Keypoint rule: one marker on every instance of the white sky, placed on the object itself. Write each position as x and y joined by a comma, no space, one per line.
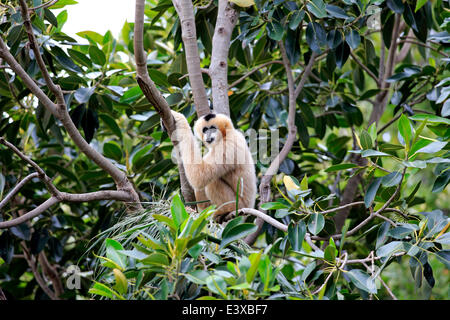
98,15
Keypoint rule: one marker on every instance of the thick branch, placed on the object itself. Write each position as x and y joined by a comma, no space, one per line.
185,11
152,93
68,197
226,20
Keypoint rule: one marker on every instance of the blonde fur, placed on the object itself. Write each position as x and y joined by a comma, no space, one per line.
228,162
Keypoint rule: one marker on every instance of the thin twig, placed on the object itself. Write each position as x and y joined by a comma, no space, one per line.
363,66
44,5
16,189
249,73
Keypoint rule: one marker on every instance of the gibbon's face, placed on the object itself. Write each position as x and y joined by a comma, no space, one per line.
212,128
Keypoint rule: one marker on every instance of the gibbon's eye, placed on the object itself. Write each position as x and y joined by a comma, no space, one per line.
205,129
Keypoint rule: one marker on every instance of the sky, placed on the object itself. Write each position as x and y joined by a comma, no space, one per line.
98,15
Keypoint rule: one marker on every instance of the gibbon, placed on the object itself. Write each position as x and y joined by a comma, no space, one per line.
227,166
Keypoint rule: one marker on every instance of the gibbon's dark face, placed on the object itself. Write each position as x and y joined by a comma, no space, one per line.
209,134
212,129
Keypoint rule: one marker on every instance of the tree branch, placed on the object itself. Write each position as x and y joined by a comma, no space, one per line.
226,19
31,260
59,110
16,189
363,66
264,186
152,93
249,73
185,11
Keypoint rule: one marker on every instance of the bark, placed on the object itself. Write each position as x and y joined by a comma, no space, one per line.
152,93
226,20
185,11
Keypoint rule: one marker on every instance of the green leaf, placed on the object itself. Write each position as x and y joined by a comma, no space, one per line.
353,39
304,183
430,118
373,153
237,232
62,3
382,234
217,285
273,206
396,6
104,291
342,166
265,271
371,192
112,150
178,211
197,276
159,78
336,12
156,259
415,164
390,248
50,17
174,98
330,254
121,281
316,223
400,232
131,95
445,112
97,55
366,140
334,38
112,252
315,36
441,181
80,57
2,185
404,126
296,234
432,147
84,94
420,4
362,280
112,125
317,8
391,179
254,258
275,30
296,18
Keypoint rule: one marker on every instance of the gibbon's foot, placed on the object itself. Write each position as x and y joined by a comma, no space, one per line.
225,217
190,210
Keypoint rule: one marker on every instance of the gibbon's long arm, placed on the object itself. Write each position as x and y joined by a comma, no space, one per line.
200,171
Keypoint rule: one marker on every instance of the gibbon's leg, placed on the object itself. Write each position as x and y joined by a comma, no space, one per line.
222,196
200,195
199,171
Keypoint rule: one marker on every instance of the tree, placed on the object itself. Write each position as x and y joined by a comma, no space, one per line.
327,75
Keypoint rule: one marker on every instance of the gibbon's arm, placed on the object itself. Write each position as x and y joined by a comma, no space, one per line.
199,171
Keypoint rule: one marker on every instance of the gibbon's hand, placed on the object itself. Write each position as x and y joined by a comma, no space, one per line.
182,128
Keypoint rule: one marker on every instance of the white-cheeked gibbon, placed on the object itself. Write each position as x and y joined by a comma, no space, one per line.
227,167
